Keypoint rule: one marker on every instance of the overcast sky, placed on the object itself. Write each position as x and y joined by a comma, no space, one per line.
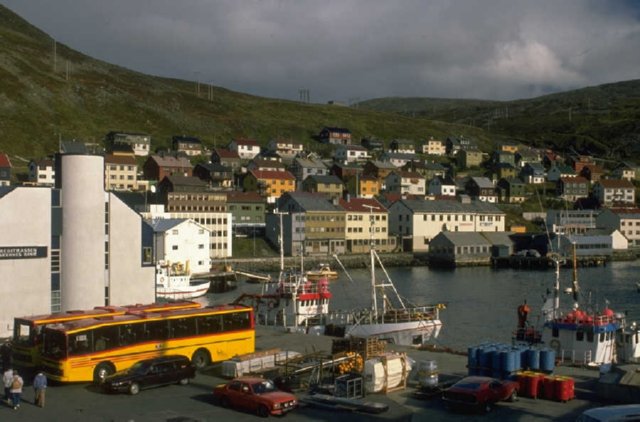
349,50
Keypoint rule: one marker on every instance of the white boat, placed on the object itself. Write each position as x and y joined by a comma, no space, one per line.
173,285
582,334
293,301
390,317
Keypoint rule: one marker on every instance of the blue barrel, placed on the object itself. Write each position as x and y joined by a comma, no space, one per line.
517,358
533,359
524,357
485,361
547,360
509,360
472,357
496,360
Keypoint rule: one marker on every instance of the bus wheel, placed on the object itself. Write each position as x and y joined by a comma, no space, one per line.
201,359
102,371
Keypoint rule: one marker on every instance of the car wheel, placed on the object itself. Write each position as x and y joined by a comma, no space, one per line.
262,411
514,396
134,388
102,371
224,401
487,407
184,381
201,359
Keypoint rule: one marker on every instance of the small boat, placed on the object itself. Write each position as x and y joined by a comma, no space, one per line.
390,317
323,271
174,282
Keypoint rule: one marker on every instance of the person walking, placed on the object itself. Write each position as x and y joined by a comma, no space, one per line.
7,379
16,389
40,387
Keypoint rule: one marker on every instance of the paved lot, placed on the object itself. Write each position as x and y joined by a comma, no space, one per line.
193,402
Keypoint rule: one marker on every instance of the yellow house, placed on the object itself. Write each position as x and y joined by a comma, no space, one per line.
367,186
270,184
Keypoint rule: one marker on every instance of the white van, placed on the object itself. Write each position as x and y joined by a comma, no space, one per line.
620,413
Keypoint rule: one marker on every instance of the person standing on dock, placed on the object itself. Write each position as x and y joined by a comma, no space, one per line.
523,313
40,387
16,389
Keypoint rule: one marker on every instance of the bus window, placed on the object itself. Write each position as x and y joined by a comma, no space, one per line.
182,327
79,343
156,330
22,334
131,334
236,321
210,324
55,347
105,338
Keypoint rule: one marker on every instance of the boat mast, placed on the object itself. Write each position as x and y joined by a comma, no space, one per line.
574,286
374,299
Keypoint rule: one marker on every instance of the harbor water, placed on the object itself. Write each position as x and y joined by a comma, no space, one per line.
482,301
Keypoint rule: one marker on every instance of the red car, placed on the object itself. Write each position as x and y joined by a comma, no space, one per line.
256,395
480,393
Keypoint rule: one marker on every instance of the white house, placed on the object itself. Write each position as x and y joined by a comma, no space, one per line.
42,172
416,222
285,148
183,243
351,153
442,186
247,149
219,225
626,220
434,147
405,182
614,191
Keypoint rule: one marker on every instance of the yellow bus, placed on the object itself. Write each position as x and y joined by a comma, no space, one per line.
91,349
27,331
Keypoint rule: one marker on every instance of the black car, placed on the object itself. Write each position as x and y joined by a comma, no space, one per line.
151,373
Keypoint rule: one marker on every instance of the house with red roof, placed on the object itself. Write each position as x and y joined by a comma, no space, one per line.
366,221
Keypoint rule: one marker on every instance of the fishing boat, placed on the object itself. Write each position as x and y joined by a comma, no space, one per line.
581,333
390,317
174,283
322,271
292,301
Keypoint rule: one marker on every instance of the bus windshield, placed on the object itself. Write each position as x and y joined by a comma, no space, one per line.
56,345
23,334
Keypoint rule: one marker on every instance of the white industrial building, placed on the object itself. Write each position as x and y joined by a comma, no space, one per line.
182,242
73,246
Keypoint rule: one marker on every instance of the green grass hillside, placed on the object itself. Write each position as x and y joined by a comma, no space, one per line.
84,98
603,120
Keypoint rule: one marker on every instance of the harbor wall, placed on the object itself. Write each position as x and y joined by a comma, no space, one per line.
272,264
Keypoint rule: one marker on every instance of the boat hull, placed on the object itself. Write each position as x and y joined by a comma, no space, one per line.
185,291
410,333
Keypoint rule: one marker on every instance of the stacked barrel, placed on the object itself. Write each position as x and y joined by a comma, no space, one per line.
530,366
504,361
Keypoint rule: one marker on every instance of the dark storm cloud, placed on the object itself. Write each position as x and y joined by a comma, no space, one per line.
348,49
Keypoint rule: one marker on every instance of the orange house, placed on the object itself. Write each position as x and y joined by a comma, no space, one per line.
268,183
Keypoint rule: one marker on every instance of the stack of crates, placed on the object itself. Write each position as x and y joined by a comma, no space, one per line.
558,388
530,384
365,347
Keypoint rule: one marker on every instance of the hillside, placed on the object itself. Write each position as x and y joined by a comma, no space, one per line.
603,120
79,97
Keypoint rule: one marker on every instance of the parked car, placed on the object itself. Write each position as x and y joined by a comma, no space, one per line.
254,394
622,412
479,393
151,373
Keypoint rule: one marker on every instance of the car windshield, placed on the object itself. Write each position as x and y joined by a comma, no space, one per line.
262,387
138,368
468,385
